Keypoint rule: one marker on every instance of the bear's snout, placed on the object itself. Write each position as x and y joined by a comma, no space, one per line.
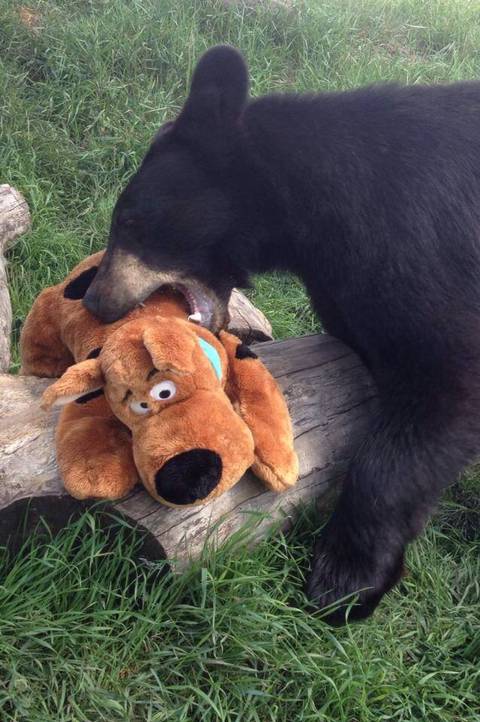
189,476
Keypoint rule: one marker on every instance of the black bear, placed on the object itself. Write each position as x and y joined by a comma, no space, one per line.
372,197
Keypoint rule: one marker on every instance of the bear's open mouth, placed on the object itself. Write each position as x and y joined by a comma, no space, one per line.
200,305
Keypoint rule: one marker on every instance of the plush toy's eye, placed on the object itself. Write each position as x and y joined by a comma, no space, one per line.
139,407
163,391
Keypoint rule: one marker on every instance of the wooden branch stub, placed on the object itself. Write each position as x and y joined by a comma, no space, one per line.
331,399
14,220
14,216
246,320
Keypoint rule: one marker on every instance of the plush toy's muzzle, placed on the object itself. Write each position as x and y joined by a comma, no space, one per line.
193,451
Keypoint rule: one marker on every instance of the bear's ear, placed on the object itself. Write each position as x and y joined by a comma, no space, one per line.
84,379
218,92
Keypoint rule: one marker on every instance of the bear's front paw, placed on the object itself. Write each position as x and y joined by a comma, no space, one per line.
349,579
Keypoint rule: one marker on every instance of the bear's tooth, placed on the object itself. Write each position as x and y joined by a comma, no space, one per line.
195,317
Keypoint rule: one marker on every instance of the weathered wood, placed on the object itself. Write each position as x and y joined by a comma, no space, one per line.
14,220
330,397
246,321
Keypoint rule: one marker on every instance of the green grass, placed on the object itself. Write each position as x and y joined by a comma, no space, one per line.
87,633
84,90
82,635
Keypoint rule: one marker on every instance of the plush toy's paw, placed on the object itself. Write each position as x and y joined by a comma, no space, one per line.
348,579
281,475
105,477
95,459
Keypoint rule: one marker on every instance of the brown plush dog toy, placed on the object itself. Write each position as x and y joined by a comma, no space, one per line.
154,396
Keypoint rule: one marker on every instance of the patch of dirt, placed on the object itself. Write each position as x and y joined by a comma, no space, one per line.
31,19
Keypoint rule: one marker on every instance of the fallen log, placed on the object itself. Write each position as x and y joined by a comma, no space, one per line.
331,399
14,220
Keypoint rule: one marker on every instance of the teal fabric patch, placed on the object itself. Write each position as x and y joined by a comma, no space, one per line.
212,355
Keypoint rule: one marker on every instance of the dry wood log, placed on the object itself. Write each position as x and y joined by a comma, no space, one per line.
14,220
330,397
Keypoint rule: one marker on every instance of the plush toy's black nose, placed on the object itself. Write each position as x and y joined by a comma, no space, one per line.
189,476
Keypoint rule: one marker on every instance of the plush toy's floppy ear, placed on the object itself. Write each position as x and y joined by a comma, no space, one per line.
80,381
78,286
257,399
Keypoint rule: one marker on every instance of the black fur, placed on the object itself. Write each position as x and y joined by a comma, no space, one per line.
88,397
95,352
244,351
77,288
189,476
372,197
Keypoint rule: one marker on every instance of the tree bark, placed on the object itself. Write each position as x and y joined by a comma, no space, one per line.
14,220
331,399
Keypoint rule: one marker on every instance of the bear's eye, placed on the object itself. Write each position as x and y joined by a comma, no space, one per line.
139,407
163,391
